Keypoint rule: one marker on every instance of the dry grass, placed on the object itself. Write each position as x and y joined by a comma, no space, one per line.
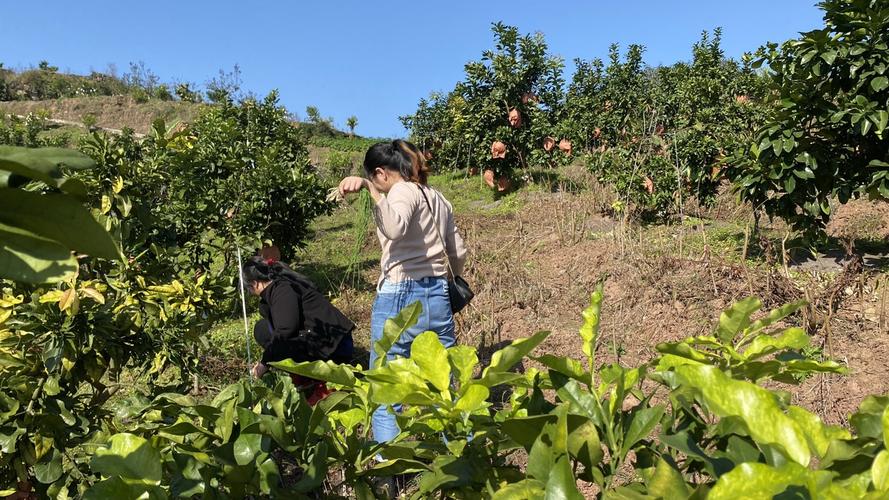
114,112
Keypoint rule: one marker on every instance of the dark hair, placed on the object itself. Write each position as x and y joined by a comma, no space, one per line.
397,156
260,269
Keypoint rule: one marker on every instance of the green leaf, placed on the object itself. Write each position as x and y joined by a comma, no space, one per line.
27,258
473,398
504,359
667,482
791,338
564,365
447,472
879,83
58,218
49,469
789,184
526,489
757,407
642,422
119,488
736,318
327,371
561,484
43,164
463,360
583,441
130,457
526,430
8,406
885,420
432,358
868,420
866,125
246,448
880,471
881,118
589,331
752,480
394,328
582,401
817,433
776,315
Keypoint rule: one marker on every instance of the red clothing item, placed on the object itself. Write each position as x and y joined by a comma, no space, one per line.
315,390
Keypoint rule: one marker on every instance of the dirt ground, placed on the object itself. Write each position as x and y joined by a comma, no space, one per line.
535,270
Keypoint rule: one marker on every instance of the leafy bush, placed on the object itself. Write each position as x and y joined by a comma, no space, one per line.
511,96
714,432
179,202
826,137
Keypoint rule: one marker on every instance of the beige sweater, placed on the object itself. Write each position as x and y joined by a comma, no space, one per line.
407,233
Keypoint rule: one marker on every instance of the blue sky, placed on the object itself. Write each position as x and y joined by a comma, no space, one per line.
370,59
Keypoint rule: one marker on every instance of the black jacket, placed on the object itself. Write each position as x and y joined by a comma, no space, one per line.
304,325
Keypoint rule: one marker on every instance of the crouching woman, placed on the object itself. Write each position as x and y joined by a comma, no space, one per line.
298,322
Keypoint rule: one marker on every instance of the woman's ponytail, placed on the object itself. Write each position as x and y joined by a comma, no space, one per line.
419,167
399,156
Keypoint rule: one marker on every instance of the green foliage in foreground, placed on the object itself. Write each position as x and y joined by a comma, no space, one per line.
695,420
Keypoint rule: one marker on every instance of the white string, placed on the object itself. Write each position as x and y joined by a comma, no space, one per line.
244,311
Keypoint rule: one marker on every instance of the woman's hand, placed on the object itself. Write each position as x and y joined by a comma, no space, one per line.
259,370
352,184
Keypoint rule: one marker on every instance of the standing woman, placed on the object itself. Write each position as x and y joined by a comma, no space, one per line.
411,228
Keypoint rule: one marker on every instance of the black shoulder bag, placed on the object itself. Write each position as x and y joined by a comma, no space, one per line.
459,292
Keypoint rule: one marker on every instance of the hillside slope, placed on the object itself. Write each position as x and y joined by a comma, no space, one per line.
114,112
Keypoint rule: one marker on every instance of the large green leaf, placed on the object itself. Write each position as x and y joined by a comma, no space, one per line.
474,397
583,441
394,328
49,469
43,164
432,358
817,433
667,482
119,488
130,457
247,447
754,481
28,258
327,371
868,420
791,338
736,318
880,471
504,359
642,422
582,401
565,365
58,218
447,472
526,489
549,459
463,360
757,407
526,430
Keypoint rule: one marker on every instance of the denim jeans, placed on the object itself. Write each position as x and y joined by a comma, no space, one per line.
391,298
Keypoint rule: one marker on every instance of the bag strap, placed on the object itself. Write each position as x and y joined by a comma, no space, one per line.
444,247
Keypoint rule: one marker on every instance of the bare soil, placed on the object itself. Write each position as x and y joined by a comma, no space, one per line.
535,270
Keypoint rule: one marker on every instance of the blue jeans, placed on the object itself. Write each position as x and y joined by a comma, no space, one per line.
391,298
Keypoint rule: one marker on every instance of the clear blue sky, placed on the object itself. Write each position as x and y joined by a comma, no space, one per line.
370,59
